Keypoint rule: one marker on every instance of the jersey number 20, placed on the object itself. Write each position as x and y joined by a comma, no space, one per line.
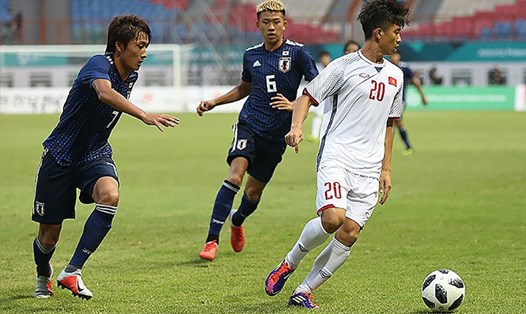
334,190
377,91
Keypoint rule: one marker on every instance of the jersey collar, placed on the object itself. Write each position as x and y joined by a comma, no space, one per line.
377,65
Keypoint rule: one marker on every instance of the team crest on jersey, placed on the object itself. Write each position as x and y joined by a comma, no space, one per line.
39,208
241,144
284,64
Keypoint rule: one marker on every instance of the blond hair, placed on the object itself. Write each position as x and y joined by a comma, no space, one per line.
271,5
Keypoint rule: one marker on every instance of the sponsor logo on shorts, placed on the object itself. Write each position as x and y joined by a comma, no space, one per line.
39,209
241,144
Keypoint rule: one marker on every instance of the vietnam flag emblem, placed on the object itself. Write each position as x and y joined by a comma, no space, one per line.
392,81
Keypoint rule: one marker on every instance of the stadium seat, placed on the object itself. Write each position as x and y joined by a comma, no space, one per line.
462,27
520,29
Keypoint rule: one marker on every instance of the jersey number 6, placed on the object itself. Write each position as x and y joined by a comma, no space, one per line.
271,84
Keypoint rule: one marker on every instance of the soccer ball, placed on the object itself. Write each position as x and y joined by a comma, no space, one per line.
443,290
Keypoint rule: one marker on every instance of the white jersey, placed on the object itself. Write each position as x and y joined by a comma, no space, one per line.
362,96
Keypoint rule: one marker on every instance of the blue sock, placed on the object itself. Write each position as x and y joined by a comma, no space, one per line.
95,229
405,138
42,257
245,209
222,207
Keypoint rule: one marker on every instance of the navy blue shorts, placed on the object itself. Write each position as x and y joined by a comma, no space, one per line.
56,187
263,155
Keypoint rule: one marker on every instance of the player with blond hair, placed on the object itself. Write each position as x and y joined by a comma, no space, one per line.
354,159
272,72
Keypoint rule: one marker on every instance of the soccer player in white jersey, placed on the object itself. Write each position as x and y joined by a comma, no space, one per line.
354,159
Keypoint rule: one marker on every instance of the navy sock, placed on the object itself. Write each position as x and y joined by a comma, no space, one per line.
405,137
222,207
245,209
95,229
42,257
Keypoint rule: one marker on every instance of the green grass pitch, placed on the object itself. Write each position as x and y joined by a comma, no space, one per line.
459,202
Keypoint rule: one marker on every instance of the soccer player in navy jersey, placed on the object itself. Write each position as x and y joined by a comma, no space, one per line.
409,78
77,154
272,72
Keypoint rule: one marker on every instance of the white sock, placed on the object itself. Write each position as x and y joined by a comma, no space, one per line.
312,236
329,260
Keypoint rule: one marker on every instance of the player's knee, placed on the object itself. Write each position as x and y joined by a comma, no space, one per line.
253,195
331,221
234,179
109,197
48,239
347,238
349,233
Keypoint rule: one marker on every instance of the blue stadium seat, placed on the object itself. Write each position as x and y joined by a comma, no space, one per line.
502,30
520,29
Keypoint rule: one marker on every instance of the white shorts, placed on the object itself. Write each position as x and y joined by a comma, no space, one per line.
339,188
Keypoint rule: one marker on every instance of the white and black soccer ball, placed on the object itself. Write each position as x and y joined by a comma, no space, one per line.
443,290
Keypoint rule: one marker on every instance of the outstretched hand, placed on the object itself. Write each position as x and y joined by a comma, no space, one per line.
205,106
280,102
160,120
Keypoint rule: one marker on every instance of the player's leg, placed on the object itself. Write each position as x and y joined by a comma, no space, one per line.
43,249
315,126
54,201
331,200
399,124
362,199
249,203
268,154
332,257
98,184
240,155
223,206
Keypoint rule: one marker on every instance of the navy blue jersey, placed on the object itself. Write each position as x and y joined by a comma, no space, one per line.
408,76
86,123
270,73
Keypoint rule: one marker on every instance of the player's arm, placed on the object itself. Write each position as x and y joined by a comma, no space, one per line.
239,92
385,175
299,114
112,98
418,85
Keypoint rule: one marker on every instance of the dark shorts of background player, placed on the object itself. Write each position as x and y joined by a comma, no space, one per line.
56,187
263,155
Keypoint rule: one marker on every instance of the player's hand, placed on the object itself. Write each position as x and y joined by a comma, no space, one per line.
294,138
424,100
204,106
385,186
280,102
160,120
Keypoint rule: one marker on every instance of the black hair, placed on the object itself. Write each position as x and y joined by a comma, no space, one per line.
125,28
351,42
324,53
381,14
